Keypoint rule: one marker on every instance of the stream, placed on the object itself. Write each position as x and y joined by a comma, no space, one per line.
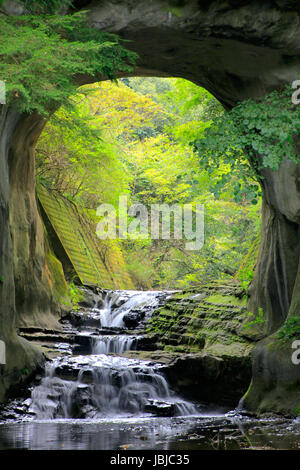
92,396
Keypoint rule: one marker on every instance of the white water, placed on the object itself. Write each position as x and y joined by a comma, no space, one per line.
104,386
116,344
99,384
114,317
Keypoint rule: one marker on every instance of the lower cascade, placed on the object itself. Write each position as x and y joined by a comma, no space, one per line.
103,383
98,385
116,344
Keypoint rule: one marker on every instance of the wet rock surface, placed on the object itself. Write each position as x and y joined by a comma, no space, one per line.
160,408
143,382
210,320
196,337
133,318
100,385
87,376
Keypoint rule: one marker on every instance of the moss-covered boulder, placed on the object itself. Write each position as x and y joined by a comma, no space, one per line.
209,318
200,333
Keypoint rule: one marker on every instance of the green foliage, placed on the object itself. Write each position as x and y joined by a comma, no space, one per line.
45,6
76,295
258,320
133,138
166,170
297,410
245,272
262,130
73,159
142,274
245,277
290,329
42,55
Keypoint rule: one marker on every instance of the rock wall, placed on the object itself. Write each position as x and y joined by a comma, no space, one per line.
94,262
209,319
21,357
33,290
200,334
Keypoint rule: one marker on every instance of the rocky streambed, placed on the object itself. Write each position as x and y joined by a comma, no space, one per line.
147,369
197,338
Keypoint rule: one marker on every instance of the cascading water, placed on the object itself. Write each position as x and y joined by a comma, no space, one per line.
116,344
103,383
119,309
136,302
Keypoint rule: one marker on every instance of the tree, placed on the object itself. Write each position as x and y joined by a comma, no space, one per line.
256,134
43,56
127,137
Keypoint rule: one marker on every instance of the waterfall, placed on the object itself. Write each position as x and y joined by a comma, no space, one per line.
104,383
116,344
138,302
99,386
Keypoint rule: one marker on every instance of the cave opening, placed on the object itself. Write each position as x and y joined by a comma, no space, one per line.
134,139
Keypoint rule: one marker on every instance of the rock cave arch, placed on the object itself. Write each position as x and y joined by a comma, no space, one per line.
234,49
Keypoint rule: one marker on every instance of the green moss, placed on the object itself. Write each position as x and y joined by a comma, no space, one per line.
248,391
272,346
182,295
185,349
76,295
54,271
290,330
96,262
198,325
176,11
258,320
200,339
226,300
245,272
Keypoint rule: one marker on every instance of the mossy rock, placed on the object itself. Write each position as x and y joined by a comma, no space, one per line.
54,271
199,319
226,300
96,262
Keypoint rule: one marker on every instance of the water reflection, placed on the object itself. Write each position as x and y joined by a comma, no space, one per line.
224,432
91,435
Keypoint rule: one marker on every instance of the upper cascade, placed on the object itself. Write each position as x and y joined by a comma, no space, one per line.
127,309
